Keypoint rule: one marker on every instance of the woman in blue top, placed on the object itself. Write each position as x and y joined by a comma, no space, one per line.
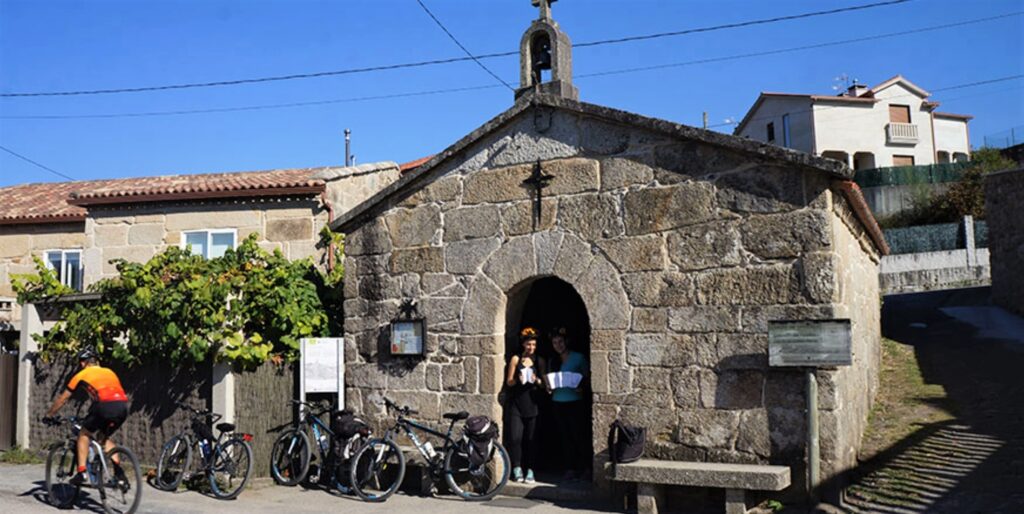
569,408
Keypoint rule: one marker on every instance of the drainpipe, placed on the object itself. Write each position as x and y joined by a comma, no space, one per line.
330,218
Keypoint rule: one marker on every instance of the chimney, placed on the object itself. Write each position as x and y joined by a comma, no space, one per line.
855,90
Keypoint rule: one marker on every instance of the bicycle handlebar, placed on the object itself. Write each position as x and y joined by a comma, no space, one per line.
403,411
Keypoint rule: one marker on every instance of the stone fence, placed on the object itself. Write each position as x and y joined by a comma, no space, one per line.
1002,192
256,401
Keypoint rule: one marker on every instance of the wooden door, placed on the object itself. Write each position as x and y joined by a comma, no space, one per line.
8,397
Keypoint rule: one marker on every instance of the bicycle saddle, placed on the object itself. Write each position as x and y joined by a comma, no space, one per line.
456,416
225,427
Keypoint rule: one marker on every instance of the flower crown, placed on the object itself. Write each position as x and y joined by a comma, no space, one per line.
527,333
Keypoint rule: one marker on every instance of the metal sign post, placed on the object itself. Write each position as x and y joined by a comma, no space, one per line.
810,345
322,367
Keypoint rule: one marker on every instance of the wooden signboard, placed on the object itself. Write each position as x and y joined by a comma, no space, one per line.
818,343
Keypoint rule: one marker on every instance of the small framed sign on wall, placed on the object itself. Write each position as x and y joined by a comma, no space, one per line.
407,337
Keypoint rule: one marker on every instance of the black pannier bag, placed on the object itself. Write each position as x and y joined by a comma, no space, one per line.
625,443
346,427
481,433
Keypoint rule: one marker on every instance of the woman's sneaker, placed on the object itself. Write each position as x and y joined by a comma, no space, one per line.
529,477
517,474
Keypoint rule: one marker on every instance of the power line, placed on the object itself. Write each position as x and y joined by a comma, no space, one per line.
464,49
433,62
26,159
806,47
631,39
481,87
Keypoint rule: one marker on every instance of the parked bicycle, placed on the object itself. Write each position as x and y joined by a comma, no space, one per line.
225,460
475,466
114,474
291,457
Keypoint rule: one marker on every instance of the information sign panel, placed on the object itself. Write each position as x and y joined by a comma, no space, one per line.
322,365
817,343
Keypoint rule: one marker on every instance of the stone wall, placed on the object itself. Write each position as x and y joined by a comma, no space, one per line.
263,408
846,394
153,390
18,243
1006,237
681,251
137,233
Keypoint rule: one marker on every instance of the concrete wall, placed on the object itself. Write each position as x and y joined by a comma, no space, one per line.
771,111
681,252
951,136
1003,191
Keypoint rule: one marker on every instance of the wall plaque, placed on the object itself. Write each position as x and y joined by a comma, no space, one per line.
407,337
817,343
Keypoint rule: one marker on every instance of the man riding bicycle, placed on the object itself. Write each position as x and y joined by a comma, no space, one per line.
106,414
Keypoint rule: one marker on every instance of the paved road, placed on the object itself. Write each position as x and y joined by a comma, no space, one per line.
22,491
975,462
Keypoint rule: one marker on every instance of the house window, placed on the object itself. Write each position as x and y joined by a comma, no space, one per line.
68,265
771,132
899,114
785,131
902,160
209,243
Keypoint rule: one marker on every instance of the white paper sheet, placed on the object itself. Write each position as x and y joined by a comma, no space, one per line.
564,379
526,376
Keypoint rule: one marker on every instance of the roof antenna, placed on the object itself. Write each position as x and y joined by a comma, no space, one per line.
348,147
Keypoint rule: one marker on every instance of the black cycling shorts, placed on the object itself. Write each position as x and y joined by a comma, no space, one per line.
105,417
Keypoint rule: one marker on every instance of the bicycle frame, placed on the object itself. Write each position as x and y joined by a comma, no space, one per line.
408,426
95,448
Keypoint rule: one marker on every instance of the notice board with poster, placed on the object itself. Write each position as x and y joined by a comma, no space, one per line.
322,367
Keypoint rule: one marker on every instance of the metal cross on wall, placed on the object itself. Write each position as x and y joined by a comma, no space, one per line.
545,8
538,181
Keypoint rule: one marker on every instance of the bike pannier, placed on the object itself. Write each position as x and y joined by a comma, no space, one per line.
625,443
345,424
481,433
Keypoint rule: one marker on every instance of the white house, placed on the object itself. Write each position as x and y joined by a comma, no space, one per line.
891,124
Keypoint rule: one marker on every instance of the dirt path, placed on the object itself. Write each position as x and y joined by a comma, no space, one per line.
972,458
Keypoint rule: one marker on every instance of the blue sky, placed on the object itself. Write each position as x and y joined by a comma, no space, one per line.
84,45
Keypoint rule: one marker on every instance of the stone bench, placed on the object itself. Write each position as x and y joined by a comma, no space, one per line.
650,475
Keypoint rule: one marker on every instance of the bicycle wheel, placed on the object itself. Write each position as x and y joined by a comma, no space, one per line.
232,465
376,470
175,461
289,460
120,484
60,467
476,483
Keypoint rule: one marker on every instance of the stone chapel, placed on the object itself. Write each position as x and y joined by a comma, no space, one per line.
665,249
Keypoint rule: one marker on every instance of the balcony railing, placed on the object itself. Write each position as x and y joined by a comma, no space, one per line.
901,133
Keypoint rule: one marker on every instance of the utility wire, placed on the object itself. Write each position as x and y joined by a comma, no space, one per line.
805,47
481,87
433,62
464,49
26,159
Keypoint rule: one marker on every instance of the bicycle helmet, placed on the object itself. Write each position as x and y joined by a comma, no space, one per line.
86,354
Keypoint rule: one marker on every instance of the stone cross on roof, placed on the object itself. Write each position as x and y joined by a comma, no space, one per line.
545,8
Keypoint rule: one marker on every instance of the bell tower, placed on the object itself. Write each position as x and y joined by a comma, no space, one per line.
545,57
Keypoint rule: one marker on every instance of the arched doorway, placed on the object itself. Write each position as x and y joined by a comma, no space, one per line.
546,303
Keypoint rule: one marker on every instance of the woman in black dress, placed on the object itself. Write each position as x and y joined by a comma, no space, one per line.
523,377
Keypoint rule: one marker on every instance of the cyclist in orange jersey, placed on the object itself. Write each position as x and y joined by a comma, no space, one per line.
106,414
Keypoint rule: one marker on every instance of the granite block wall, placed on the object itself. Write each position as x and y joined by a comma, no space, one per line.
1006,237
